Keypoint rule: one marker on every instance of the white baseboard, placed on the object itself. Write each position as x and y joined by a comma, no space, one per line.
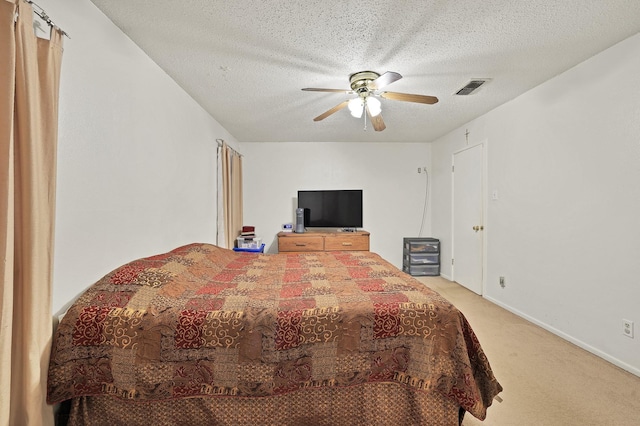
615,361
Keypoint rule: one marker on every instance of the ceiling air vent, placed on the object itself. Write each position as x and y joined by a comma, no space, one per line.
471,87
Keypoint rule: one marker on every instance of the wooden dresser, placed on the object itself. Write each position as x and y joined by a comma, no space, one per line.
291,242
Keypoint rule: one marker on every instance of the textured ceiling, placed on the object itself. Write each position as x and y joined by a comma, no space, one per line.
246,61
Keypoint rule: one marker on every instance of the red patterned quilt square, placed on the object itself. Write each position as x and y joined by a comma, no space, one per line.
371,285
289,326
128,273
227,275
189,329
360,272
387,320
294,275
89,327
293,290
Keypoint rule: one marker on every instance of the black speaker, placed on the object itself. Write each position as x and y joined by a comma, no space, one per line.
299,220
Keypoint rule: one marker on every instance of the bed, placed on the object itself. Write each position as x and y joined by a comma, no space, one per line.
203,335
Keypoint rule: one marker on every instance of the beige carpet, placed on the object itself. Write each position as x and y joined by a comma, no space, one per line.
547,380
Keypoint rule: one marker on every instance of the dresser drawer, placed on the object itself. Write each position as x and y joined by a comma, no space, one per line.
300,243
422,258
425,270
421,245
344,242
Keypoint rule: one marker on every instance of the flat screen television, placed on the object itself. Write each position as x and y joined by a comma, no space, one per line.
338,208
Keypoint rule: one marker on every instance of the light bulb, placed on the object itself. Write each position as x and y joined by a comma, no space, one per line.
374,106
356,106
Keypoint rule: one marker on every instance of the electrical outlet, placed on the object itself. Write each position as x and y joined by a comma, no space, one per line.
627,328
502,283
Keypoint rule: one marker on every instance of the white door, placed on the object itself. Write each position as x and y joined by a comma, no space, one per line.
468,225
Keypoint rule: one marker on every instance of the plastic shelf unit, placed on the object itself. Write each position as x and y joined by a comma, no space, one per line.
421,256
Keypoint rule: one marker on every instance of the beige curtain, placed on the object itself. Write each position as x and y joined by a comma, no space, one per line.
229,196
29,82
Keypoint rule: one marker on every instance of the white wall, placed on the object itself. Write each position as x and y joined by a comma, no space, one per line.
565,159
136,176
136,155
393,190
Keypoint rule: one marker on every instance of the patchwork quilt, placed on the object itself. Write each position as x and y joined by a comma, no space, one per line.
204,321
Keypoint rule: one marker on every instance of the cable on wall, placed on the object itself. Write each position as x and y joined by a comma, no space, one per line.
426,198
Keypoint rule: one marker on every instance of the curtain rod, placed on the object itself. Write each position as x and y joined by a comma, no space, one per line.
43,15
221,141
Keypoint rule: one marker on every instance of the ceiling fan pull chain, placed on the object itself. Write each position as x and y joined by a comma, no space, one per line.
365,118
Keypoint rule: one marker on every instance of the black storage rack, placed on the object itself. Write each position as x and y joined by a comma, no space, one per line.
421,256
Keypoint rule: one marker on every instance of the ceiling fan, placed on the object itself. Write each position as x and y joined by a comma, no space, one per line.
367,85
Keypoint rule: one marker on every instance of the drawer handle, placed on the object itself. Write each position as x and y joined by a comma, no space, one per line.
300,244
347,244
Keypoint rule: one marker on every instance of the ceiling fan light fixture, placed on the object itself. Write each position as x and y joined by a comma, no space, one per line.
356,106
367,85
374,106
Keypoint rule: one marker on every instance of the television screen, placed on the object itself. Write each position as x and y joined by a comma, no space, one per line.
331,208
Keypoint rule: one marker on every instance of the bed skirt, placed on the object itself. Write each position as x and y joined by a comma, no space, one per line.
381,404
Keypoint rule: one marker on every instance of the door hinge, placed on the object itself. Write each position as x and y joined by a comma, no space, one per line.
453,168
452,261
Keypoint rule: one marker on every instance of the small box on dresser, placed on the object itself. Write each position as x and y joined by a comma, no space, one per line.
421,256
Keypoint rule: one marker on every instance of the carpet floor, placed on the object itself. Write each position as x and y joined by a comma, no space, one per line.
547,381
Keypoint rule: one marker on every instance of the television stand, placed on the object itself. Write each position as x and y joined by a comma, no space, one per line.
314,241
